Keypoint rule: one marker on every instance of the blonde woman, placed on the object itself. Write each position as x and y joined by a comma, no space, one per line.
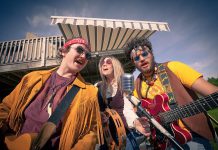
111,95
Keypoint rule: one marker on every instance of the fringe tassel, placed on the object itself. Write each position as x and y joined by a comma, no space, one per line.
82,115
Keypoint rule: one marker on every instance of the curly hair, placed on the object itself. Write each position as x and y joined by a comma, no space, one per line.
59,56
142,41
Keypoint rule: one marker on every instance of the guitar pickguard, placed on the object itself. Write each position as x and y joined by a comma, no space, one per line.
158,106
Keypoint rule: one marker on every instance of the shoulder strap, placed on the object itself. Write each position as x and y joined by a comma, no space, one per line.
138,84
62,107
165,82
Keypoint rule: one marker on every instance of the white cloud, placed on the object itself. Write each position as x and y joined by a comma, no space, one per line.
206,67
38,20
42,14
200,65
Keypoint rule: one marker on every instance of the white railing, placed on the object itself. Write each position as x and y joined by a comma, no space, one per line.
27,51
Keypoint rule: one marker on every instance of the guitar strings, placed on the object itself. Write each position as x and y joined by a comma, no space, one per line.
185,111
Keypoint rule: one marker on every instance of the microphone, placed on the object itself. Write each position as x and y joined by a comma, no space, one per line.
127,85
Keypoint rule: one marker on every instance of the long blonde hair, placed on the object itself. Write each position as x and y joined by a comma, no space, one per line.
118,71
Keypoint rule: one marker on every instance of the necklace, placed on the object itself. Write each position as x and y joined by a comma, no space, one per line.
54,88
153,78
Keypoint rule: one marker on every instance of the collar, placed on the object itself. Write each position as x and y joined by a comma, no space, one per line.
79,81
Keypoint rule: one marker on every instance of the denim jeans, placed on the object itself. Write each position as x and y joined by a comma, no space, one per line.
197,143
130,142
135,141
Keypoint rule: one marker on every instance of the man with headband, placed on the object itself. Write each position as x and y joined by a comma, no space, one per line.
178,83
29,106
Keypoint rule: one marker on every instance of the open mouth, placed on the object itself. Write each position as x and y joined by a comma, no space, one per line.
105,69
144,64
79,61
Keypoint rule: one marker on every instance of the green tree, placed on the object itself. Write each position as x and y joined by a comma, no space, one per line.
213,80
214,113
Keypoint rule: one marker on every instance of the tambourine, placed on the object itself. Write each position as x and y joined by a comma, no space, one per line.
114,130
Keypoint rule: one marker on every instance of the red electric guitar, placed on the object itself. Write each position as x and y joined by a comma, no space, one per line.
161,111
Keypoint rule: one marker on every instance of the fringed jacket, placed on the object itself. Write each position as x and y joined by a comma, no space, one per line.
81,128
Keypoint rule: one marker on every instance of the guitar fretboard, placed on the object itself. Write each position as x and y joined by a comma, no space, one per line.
201,105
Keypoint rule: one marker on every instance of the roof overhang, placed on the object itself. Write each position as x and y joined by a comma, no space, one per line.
106,34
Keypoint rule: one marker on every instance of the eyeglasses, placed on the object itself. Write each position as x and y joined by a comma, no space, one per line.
107,61
143,53
81,50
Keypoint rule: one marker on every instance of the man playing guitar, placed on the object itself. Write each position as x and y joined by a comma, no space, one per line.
179,83
28,108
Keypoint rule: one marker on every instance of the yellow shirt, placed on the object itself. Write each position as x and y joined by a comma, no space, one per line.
185,74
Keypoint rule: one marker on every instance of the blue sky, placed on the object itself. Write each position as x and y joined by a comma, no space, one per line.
193,23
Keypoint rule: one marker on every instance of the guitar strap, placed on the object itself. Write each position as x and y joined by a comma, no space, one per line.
62,107
49,127
162,74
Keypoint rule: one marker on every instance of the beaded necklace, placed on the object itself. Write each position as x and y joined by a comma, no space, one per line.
153,78
150,82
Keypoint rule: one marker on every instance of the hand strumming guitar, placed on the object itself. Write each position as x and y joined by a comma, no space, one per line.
142,125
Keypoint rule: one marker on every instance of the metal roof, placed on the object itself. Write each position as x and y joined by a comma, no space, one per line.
106,34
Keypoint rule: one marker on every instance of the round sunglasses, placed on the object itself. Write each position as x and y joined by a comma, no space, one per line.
106,61
143,54
80,50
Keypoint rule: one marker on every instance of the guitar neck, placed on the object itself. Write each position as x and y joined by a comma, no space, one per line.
198,106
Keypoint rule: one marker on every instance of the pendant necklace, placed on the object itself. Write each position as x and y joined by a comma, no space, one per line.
52,92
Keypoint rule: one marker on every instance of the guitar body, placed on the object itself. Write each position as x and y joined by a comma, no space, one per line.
22,142
159,105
